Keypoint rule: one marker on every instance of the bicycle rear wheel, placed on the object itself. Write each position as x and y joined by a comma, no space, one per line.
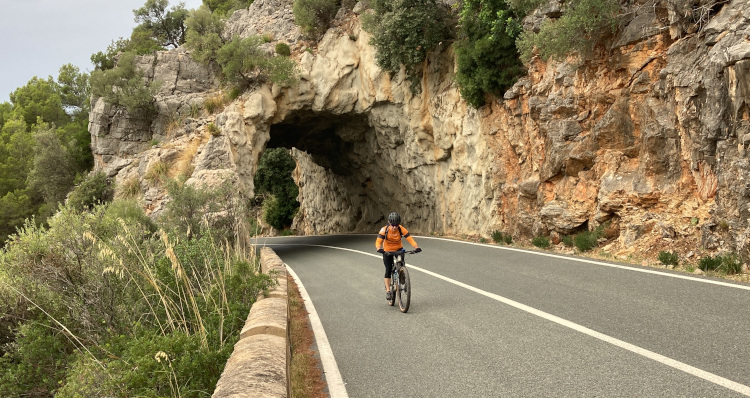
404,289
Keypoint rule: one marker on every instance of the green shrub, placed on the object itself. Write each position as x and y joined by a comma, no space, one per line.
585,241
36,361
524,7
729,264
583,25
274,178
710,263
500,237
668,258
567,240
214,130
124,86
243,63
283,49
194,212
279,213
203,36
95,189
145,314
315,16
486,53
226,7
404,32
233,93
497,236
541,242
732,264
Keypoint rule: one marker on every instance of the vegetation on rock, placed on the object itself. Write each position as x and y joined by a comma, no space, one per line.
273,181
404,32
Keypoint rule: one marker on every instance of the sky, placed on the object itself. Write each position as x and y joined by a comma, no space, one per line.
37,37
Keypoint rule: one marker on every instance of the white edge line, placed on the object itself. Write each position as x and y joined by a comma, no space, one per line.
710,377
577,259
336,385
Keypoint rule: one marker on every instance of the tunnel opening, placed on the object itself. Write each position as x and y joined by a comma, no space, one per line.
341,197
329,139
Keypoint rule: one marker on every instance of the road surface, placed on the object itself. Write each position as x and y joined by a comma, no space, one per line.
496,321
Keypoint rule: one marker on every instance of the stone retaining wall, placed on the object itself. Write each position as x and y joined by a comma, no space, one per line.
259,365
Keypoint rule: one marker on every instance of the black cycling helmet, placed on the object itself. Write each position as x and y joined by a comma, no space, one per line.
394,218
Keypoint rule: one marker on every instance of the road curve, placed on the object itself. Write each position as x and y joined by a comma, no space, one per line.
489,321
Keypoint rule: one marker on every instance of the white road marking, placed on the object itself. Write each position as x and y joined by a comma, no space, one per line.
713,378
336,385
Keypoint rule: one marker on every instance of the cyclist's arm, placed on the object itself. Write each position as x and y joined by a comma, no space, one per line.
379,240
409,239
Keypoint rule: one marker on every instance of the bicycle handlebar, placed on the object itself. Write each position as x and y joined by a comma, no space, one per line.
400,252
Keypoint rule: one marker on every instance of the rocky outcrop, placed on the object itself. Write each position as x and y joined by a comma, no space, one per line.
650,137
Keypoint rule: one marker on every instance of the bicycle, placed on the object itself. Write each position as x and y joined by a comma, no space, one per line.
400,282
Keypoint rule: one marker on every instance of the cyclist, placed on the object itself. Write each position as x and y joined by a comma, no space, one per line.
389,240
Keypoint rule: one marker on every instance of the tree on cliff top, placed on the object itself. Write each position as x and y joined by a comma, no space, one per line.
226,7
486,53
167,27
404,32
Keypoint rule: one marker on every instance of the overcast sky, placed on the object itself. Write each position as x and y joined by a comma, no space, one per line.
37,37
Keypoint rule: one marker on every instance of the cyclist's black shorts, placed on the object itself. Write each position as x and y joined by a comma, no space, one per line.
388,262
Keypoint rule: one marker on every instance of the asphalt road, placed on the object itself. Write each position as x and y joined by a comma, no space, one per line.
493,321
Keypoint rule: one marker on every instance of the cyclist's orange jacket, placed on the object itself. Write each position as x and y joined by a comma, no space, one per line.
389,238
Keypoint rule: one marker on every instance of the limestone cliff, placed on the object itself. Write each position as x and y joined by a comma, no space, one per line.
652,137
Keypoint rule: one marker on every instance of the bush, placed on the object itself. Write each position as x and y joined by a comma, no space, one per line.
668,258
95,189
583,25
124,86
214,130
404,32
274,177
567,240
203,35
283,49
36,361
497,236
147,314
315,16
486,53
500,237
710,263
586,241
243,63
194,212
541,242
729,264
226,7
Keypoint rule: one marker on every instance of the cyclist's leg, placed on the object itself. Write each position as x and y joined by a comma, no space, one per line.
388,262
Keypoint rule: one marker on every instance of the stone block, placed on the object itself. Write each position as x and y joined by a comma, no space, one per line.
257,368
267,316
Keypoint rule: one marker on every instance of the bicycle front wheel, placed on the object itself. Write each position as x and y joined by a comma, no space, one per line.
394,288
404,289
